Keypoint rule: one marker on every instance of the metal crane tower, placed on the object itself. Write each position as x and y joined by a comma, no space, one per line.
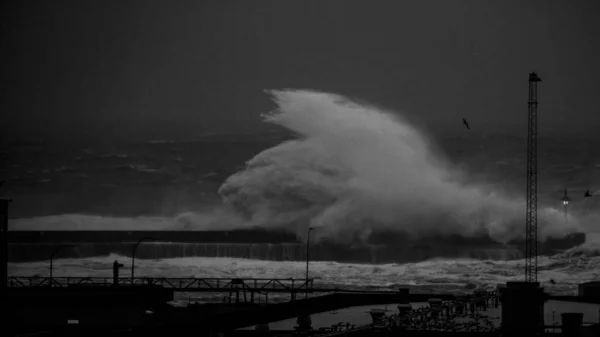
531,228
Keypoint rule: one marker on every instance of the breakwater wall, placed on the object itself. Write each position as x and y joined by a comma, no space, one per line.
96,236
25,246
264,251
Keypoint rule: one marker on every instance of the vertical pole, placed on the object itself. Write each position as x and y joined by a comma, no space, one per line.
51,258
4,253
133,254
307,259
566,208
56,250
115,273
116,266
133,262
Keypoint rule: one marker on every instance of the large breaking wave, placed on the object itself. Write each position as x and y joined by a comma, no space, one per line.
354,169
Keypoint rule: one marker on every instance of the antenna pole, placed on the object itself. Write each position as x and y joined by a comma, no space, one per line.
531,226
566,208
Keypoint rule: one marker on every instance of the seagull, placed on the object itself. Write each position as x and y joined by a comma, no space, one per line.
466,124
587,194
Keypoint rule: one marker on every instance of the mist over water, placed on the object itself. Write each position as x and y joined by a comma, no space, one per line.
354,169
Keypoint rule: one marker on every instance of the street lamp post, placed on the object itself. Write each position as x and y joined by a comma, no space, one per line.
307,257
56,250
565,202
133,254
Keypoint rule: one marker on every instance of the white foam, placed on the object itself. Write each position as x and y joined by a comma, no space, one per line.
565,272
355,168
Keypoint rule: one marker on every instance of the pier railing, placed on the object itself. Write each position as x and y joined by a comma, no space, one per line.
178,284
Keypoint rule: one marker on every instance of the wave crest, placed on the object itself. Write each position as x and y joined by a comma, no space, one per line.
354,169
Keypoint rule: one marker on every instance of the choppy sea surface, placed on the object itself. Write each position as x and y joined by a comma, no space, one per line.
559,274
327,160
162,179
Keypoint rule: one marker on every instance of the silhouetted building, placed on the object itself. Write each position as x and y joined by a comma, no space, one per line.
590,290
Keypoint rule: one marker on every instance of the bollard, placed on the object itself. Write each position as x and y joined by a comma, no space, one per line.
571,324
303,323
522,308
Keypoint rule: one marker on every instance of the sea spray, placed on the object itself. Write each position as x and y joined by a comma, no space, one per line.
354,169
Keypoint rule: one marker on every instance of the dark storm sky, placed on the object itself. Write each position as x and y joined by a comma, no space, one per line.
156,69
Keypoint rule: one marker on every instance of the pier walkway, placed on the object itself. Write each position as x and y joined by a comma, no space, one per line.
238,289
235,287
201,285
276,285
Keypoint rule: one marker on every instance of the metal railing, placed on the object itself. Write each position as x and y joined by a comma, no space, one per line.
178,284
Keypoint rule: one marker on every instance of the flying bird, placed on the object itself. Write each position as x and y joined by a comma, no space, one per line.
466,124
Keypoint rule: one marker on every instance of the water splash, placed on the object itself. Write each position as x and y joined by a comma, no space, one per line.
354,169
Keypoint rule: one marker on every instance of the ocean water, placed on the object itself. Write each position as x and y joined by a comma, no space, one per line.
559,274
349,169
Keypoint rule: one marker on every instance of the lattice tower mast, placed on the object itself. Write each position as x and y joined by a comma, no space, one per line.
531,225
